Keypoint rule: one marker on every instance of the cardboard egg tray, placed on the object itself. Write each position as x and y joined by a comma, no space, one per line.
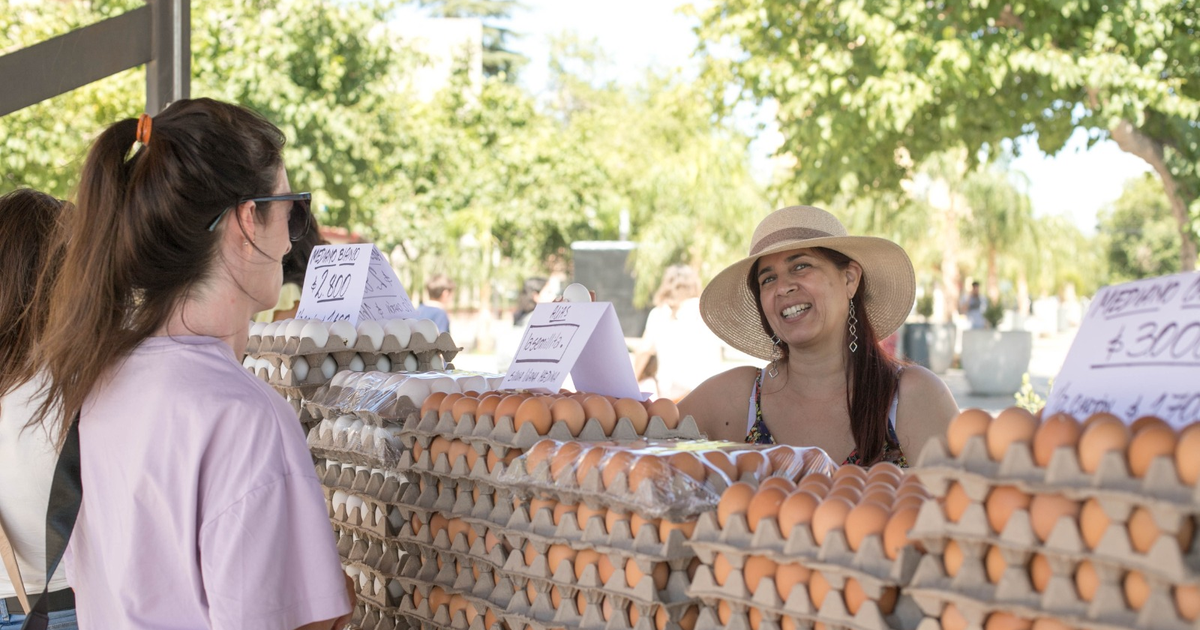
381,557
833,613
498,433
1118,491
369,617
869,565
374,484
362,448
443,468
372,524
1065,545
283,348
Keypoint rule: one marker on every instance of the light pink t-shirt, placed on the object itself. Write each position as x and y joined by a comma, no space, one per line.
201,507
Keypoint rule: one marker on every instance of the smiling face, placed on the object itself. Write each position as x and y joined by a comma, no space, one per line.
805,296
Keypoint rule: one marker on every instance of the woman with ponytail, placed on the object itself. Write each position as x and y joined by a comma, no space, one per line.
201,507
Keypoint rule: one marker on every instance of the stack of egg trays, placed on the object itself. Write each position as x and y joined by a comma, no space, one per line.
507,576
486,432
833,559
282,352
1118,493
362,448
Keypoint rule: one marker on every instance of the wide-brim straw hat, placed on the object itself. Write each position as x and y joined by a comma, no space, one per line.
731,310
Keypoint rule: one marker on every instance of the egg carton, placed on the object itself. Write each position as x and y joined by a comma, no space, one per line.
362,448
975,597
384,487
645,591
869,564
342,353
1111,483
833,613
370,617
379,557
521,613
499,433
1164,559
372,523
464,468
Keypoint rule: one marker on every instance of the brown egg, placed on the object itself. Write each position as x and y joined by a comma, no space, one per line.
854,595
850,471
797,508
464,406
1086,581
788,576
555,597
649,469
613,517
849,481
994,564
830,515
438,446
585,514
507,408
757,568
721,569
735,500
618,462
558,554
1137,589
849,493
751,463
1151,442
666,409
688,620
488,404
591,458
447,404
533,411
458,450
883,497
786,623
781,459
568,412
786,485
563,509
1045,510
718,460
1001,502
599,408
1146,422
607,609
955,502
1187,454
724,612
432,403
543,451
818,484
531,554
866,519
1013,425
952,619
688,464
1100,416
665,528
636,521
438,598
966,425
910,501
755,617
659,573
895,533
886,471
1058,431
1093,522
952,558
818,588
632,409
580,603
606,567
765,505
489,618
1187,601
583,559
1006,621
1046,623
1099,436
564,460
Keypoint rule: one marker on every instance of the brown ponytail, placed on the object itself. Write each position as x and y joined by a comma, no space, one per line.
139,240
870,373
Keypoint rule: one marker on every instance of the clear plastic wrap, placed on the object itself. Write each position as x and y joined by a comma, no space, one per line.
674,480
388,398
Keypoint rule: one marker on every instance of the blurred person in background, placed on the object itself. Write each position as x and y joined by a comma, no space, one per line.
440,289
531,294
28,226
687,352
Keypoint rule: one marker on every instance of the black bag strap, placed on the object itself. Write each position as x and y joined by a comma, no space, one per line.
66,496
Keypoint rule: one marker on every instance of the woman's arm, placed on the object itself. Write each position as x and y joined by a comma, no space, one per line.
926,409
721,404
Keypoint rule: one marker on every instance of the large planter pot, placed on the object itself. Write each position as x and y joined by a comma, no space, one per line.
930,345
994,361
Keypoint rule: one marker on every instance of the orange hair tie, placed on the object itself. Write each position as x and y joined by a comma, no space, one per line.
143,130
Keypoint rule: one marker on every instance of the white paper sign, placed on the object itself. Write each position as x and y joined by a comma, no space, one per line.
1137,354
352,283
582,339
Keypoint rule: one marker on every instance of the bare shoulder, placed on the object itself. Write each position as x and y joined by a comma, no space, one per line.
721,404
925,410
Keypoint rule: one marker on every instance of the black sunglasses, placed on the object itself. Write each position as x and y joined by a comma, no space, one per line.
297,216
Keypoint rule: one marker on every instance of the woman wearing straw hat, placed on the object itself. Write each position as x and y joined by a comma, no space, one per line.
814,302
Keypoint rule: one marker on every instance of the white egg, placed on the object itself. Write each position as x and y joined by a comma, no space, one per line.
444,384
256,328
363,579
262,364
576,292
382,436
269,329
339,498
249,362
295,327
384,364
283,371
325,429
372,331
378,586
329,367
417,390
345,330
353,503
281,328
338,379
394,381
353,572
400,329
316,331
356,364
436,363
473,383
410,363
395,589
343,423
301,370
426,328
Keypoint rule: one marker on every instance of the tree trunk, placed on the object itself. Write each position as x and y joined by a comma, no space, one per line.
1133,141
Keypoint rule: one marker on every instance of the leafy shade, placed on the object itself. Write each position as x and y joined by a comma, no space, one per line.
1138,235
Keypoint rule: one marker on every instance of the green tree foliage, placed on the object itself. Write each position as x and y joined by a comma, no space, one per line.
499,60
1000,221
1137,232
867,88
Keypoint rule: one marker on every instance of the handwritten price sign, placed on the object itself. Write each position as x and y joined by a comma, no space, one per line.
352,283
1137,353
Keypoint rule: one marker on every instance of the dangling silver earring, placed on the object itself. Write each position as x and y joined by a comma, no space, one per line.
853,322
776,354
